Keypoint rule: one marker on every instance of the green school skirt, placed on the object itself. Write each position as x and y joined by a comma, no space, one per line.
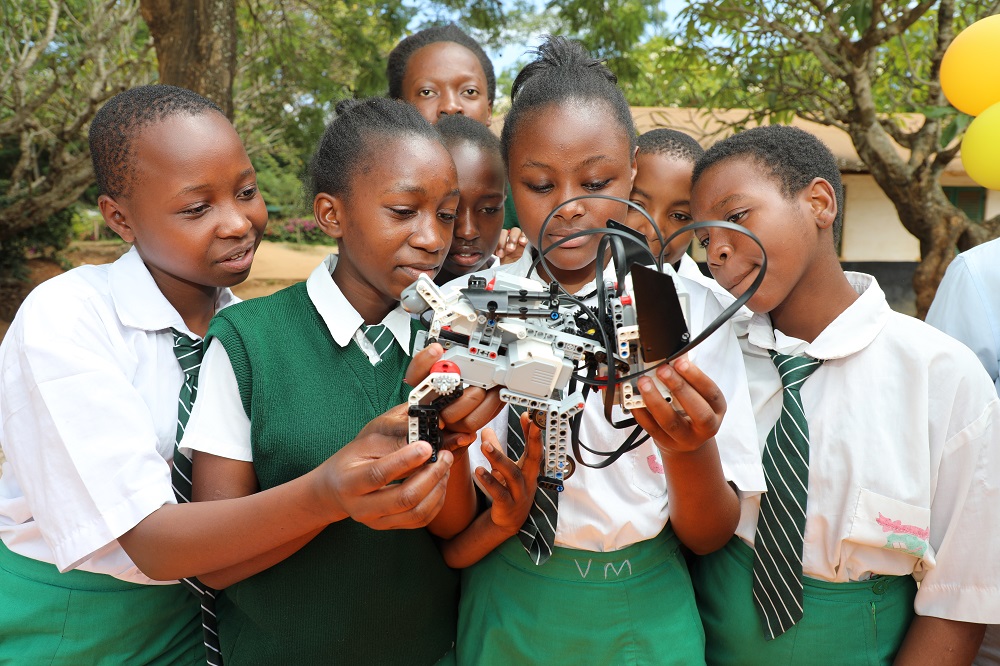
633,606
85,618
843,623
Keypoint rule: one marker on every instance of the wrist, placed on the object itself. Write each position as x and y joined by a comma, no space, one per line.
324,498
688,454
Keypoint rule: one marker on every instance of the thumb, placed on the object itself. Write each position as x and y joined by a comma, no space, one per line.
375,473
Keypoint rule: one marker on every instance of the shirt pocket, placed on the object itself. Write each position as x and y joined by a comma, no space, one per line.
884,522
647,471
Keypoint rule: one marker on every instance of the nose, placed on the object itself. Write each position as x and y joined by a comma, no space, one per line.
236,223
465,227
449,105
720,247
573,209
431,235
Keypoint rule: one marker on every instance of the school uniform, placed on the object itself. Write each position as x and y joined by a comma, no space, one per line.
616,590
286,382
967,307
88,414
903,425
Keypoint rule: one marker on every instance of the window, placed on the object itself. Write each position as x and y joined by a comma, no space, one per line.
970,200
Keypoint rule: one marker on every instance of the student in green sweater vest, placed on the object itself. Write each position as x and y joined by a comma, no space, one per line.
290,378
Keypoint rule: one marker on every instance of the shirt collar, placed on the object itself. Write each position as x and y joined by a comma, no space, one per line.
339,315
853,330
140,304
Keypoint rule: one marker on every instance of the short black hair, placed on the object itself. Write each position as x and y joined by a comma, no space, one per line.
670,143
117,124
793,156
399,57
359,128
457,128
564,71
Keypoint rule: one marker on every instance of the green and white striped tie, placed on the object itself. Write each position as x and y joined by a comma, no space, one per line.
381,338
538,534
189,353
777,568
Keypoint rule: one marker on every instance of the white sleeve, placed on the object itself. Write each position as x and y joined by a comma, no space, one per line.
218,425
78,432
961,308
964,581
720,357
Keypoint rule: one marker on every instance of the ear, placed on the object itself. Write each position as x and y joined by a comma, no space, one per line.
635,166
822,202
327,210
116,217
489,118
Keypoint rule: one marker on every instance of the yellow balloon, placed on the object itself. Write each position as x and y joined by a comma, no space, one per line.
970,74
981,148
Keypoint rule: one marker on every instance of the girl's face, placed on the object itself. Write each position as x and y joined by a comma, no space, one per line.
481,183
662,187
194,212
445,78
561,151
394,224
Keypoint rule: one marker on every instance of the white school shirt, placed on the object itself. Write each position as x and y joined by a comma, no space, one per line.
604,510
219,425
88,414
904,465
967,304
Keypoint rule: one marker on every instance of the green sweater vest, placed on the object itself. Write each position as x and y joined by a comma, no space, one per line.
353,595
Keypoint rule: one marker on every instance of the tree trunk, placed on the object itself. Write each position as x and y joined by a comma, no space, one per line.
195,45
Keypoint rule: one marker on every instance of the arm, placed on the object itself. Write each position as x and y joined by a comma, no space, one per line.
179,541
511,486
704,509
218,478
933,640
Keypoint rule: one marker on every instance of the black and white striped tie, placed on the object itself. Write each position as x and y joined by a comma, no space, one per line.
777,568
189,353
538,534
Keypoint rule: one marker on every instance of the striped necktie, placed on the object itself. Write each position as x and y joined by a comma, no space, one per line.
777,568
538,534
381,338
189,353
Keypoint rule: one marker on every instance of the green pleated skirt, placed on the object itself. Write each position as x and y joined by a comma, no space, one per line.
633,606
842,623
80,618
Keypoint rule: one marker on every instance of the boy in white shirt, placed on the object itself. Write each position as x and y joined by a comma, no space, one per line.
895,459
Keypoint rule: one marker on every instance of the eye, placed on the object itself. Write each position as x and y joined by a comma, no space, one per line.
544,188
680,217
470,92
248,192
637,203
425,92
402,212
596,185
447,216
735,218
489,210
703,241
195,210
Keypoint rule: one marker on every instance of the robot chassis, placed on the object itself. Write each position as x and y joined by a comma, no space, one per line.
522,335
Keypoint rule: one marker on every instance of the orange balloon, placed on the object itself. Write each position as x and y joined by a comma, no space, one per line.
970,70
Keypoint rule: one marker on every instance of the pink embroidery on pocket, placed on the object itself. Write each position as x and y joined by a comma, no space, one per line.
655,466
898,527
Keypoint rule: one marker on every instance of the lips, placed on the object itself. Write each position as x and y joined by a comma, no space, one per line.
416,270
466,256
239,260
555,236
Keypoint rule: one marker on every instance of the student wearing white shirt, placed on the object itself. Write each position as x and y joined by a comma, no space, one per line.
901,423
967,307
616,587
93,539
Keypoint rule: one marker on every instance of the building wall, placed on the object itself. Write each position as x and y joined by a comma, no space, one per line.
872,230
